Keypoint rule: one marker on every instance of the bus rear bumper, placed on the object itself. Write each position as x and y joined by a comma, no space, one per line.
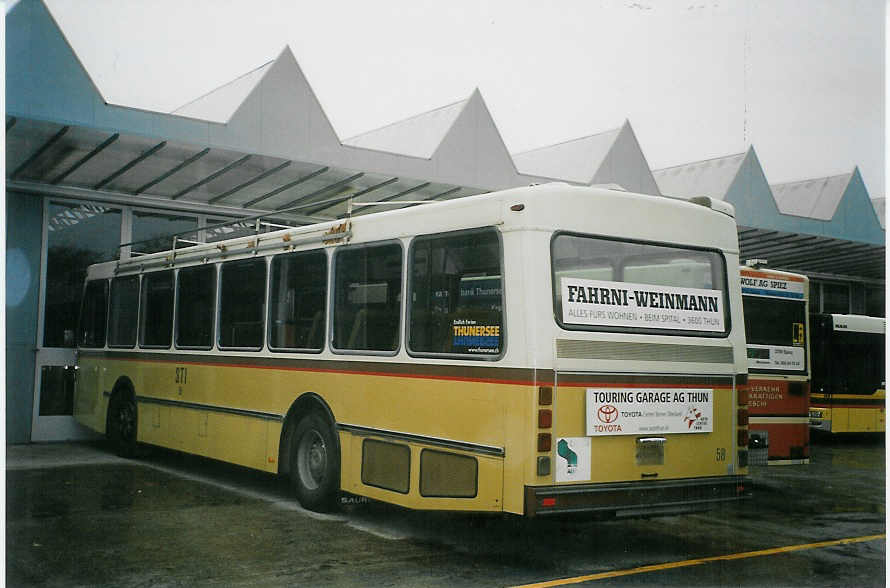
637,499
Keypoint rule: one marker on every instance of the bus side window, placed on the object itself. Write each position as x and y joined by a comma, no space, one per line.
456,299
156,320
195,306
367,298
297,301
93,315
124,312
241,304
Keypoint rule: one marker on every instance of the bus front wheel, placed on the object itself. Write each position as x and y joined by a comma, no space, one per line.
315,463
122,426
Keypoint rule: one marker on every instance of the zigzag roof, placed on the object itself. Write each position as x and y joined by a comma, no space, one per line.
417,136
711,177
575,160
264,140
220,104
816,198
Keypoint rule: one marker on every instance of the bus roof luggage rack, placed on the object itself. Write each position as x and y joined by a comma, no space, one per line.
338,231
329,233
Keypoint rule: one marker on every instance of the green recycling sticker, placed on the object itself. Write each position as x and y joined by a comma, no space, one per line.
573,459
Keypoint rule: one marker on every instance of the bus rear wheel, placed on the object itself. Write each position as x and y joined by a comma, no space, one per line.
315,463
122,426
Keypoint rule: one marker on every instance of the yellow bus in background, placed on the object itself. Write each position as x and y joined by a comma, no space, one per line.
848,374
549,349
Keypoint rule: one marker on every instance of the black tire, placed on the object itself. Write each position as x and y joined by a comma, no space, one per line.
122,423
315,463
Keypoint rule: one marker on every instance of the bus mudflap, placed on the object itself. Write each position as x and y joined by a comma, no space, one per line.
637,499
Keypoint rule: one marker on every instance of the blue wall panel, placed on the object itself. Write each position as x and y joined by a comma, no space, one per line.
24,230
750,194
44,78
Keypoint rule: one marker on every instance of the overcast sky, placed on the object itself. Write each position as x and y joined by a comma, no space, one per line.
803,81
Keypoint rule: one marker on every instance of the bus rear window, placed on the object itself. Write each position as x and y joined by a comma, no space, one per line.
776,333
456,296
609,285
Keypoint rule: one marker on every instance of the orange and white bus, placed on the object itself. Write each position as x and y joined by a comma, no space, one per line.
549,349
776,306
848,374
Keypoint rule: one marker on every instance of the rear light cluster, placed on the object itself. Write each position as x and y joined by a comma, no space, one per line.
545,421
742,420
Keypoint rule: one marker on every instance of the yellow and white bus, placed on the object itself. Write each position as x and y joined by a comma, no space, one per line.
548,349
848,374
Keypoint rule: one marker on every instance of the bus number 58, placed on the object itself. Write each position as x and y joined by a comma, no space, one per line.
721,454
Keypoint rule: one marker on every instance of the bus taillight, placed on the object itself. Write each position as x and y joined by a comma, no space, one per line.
743,417
545,418
545,395
743,437
545,421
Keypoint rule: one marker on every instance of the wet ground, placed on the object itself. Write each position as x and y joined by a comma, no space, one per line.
76,515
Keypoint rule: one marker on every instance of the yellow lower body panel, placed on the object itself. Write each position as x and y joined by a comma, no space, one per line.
237,439
849,420
415,475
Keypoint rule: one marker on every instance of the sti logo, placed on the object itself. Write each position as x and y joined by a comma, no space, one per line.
607,414
692,415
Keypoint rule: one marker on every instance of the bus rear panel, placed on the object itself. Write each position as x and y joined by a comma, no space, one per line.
648,412
777,333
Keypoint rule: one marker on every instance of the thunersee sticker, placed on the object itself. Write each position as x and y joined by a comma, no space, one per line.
623,411
625,304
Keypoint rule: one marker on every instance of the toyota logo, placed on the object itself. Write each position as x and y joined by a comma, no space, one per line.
607,413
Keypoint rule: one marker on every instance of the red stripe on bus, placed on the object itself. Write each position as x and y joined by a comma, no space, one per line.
680,384
346,372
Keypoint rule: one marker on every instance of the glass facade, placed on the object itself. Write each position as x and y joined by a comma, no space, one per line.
835,298
152,230
78,235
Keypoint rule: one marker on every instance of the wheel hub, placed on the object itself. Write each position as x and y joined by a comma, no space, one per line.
312,459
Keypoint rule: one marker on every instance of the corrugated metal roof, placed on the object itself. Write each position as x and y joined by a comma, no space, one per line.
418,136
711,177
220,104
576,160
816,198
